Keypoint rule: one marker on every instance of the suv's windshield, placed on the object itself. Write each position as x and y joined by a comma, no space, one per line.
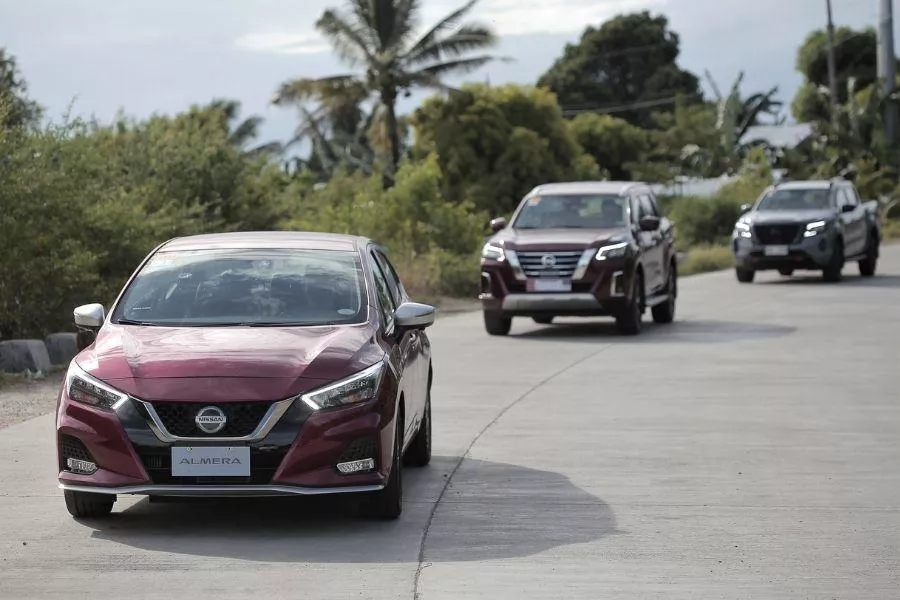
796,200
593,211
246,287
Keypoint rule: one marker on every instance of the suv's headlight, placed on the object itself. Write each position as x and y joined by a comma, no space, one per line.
815,228
82,388
357,388
492,252
612,251
742,229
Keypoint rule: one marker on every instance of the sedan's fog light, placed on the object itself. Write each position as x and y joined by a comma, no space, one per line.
83,467
356,466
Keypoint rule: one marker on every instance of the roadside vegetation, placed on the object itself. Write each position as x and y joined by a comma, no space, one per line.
81,202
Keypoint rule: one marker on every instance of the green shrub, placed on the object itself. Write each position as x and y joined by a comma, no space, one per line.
701,221
702,259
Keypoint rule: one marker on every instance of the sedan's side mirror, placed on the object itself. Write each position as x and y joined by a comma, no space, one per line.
745,208
88,319
498,224
649,223
848,208
412,315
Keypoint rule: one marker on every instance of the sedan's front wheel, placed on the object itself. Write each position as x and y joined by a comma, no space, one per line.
387,503
419,452
84,505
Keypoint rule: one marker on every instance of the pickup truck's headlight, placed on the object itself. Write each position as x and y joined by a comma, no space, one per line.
357,388
742,229
612,251
82,388
815,228
492,252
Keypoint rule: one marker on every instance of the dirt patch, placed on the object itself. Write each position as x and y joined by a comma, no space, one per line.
23,400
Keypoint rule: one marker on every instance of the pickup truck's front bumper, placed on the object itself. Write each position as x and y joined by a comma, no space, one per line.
812,253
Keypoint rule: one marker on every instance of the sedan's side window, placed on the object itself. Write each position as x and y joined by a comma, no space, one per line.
385,302
393,282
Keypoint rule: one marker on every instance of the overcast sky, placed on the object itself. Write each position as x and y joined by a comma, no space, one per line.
162,56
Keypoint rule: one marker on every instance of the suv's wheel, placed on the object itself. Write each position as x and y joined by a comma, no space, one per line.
496,323
868,264
419,452
832,272
744,275
387,503
543,320
665,312
84,505
629,321
786,272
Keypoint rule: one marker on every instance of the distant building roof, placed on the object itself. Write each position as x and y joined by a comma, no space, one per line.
779,136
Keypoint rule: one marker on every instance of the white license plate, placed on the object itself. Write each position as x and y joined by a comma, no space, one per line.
211,461
776,250
550,285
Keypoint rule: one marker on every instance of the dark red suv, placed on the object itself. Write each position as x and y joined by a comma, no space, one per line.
249,364
581,249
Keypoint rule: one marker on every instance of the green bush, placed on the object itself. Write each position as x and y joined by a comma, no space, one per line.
703,220
703,259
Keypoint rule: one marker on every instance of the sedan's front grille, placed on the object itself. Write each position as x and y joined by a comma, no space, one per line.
777,234
549,264
241,418
264,464
72,447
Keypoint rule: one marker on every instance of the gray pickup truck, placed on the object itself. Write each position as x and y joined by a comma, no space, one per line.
807,225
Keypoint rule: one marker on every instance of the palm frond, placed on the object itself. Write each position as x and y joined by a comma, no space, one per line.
460,66
446,24
245,131
348,41
301,90
465,39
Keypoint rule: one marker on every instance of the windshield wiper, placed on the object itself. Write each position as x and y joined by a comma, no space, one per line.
124,321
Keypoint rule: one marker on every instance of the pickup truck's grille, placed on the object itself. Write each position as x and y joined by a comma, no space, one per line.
776,234
549,264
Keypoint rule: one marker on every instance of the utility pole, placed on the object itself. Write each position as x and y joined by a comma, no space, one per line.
886,59
832,75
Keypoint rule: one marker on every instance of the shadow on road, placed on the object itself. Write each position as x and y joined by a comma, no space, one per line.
491,511
703,331
878,281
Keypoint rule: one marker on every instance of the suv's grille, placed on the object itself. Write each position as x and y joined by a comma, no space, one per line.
241,418
263,465
72,447
776,234
549,264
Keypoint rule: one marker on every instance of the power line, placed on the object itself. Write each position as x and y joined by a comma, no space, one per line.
570,110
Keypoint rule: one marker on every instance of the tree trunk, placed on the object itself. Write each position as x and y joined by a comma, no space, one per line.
389,99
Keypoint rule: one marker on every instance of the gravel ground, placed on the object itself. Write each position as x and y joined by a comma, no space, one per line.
23,400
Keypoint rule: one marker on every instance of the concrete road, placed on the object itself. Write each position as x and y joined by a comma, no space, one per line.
750,450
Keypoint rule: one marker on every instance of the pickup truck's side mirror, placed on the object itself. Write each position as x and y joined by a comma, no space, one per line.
745,208
649,223
88,320
847,208
498,224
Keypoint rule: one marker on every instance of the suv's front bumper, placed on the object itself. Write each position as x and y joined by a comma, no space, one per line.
813,253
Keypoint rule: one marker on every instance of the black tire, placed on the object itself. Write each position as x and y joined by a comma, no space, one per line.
868,265
387,503
496,323
630,320
665,312
543,320
419,452
84,505
832,273
744,275
786,272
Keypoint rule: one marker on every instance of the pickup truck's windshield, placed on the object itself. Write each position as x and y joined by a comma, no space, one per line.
575,211
200,288
796,200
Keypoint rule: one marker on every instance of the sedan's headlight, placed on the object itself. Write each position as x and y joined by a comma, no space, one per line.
357,388
815,228
82,388
612,251
492,252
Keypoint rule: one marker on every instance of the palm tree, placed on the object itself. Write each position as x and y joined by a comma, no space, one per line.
377,38
241,133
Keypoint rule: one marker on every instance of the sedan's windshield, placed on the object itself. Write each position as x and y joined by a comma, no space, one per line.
796,200
576,211
246,287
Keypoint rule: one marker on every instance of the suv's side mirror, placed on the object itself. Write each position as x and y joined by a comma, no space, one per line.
745,208
847,208
498,224
649,223
88,319
412,315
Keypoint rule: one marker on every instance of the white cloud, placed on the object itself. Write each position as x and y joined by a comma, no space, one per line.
280,42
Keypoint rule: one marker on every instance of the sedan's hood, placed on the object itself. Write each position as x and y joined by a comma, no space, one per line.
789,216
227,363
557,239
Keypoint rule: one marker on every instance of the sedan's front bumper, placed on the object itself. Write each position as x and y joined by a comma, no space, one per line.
219,491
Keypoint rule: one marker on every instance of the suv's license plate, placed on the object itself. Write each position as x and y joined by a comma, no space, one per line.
210,461
776,250
550,285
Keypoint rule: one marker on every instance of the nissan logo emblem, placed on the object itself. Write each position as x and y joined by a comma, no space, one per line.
548,260
210,419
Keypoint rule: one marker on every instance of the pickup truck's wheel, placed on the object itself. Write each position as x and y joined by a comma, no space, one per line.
786,272
84,505
744,275
868,264
665,312
496,323
543,320
832,273
630,320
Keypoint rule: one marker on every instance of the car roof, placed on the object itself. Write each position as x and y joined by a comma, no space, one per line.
586,187
810,184
282,240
